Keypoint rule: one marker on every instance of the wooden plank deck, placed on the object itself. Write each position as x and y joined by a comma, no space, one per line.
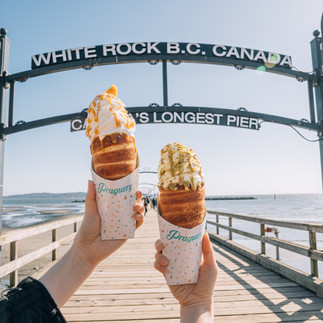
126,288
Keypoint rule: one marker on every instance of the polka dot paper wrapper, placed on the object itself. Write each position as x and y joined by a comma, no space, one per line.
183,248
115,201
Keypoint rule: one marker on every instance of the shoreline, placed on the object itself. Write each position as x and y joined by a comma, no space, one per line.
228,198
18,217
58,215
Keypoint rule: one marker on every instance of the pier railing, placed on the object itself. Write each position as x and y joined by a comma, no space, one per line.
311,281
14,236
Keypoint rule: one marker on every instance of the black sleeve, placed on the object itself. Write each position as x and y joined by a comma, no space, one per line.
29,302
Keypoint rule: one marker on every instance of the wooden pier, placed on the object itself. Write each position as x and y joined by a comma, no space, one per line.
126,288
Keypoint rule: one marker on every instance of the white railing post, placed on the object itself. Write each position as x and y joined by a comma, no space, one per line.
313,246
262,234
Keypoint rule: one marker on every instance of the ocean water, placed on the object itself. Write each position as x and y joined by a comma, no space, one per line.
21,212
294,208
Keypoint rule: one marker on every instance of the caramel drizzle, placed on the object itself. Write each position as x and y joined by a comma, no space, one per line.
95,108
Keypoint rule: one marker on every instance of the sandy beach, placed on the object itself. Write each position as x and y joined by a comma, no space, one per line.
28,245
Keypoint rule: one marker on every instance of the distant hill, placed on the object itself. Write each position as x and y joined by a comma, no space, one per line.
74,195
81,196
225,198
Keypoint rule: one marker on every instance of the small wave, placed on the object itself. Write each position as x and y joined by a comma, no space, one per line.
22,222
18,217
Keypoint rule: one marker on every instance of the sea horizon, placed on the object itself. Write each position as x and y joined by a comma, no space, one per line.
54,194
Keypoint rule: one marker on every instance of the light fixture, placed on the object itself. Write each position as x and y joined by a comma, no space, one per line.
153,62
87,67
239,67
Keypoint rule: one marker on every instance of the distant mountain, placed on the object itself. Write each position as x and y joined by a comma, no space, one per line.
81,196
230,198
74,196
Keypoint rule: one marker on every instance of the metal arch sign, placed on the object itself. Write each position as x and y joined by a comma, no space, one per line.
154,52
240,118
145,51
176,52
186,115
196,117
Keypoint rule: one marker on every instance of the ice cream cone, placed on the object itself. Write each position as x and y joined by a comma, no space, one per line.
184,208
181,198
115,156
181,208
115,162
111,132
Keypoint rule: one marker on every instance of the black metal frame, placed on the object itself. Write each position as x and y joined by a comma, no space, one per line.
133,110
8,80
175,58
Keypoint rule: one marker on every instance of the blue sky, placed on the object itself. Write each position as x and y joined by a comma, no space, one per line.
274,159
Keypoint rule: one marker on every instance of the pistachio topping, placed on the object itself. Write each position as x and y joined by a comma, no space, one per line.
179,167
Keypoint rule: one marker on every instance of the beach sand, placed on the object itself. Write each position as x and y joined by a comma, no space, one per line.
28,245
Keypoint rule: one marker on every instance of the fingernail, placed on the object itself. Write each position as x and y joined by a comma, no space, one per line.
165,262
138,195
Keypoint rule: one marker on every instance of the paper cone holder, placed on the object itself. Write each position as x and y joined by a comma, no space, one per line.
183,248
115,201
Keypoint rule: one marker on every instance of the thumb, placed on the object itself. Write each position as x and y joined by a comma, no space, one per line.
207,250
90,200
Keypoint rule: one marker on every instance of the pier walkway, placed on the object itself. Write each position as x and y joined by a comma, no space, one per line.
126,288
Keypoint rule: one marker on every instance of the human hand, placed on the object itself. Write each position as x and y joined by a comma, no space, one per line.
196,300
88,244
67,275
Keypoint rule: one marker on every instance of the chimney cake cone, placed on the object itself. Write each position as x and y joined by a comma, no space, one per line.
111,133
114,168
181,199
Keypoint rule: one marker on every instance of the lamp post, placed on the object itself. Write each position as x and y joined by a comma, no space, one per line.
317,60
4,62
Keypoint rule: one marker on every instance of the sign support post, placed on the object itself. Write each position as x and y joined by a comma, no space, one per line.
317,60
4,62
165,90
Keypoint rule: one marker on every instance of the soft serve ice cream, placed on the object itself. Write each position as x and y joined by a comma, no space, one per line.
107,115
179,167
